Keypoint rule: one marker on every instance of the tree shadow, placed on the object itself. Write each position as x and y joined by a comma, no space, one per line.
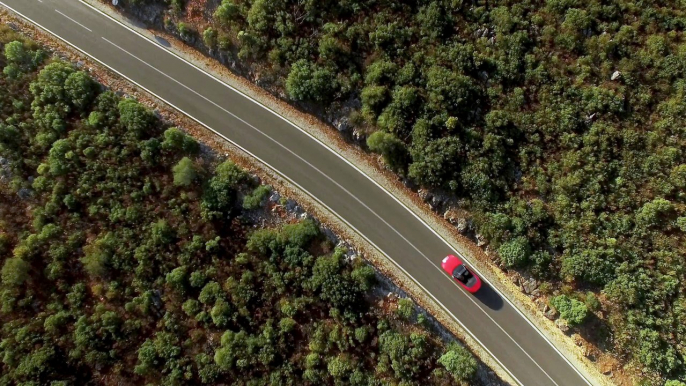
162,41
489,297
596,331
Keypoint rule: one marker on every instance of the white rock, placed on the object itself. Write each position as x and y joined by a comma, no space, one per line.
615,75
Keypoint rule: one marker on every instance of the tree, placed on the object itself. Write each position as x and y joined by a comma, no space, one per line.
516,252
177,278
438,163
226,12
311,82
333,285
339,366
15,52
255,199
405,308
652,213
185,172
80,89
60,157
136,118
220,192
15,271
209,37
572,310
459,362
391,148
433,20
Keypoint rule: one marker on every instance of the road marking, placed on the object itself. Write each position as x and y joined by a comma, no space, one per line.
421,220
335,183
82,26
311,195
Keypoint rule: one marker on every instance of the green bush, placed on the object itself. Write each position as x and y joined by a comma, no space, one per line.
309,81
459,363
15,271
572,310
405,308
516,252
185,172
391,148
255,199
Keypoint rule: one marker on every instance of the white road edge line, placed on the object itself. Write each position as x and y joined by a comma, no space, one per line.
354,167
82,26
339,186
312,196
280,174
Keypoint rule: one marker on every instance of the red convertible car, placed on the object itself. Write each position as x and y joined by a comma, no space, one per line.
456,268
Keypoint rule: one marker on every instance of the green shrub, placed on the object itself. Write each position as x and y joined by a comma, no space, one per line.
185,172
572,310
255,199
459,363
516,252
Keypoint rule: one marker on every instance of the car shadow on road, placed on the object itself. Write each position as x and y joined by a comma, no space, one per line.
489,297
162,41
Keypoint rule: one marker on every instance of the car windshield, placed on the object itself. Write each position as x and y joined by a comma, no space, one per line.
462,274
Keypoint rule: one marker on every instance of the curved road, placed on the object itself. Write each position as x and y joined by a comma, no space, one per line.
491,320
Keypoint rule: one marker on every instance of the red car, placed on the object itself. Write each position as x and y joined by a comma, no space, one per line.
456,268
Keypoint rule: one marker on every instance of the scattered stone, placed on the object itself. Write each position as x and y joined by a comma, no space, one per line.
550,314
615,75
562,325
529,286
25,193
358,135
330,235
291,205
481,240
424,194
542,306
342,124
438,201
462,225
275,196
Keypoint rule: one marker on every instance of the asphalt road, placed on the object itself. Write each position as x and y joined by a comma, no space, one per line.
494,322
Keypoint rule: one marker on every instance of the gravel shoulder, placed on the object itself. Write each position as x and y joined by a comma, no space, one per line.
369,165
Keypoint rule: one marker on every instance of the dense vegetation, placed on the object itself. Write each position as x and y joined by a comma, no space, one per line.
127,258
559,124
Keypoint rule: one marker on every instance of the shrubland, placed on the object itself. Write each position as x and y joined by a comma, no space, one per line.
558,124
130,256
